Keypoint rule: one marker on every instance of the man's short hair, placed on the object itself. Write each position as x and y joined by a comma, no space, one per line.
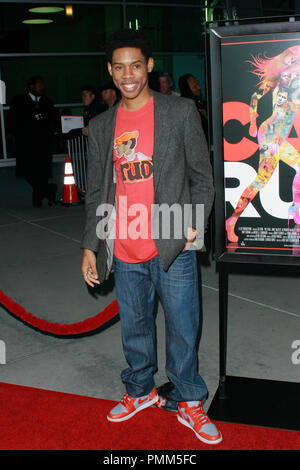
108,86
283,89
128,38
169,78
89,88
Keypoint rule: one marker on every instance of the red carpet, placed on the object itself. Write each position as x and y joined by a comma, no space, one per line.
60,329
34,419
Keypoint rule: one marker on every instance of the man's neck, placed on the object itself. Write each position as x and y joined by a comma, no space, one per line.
33,95
111,102
91,103
138,102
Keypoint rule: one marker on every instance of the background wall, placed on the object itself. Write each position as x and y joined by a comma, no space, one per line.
176,30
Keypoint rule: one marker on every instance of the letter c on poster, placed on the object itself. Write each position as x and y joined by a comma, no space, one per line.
245,148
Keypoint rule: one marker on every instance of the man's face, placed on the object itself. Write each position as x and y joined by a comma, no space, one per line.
194,86
164,85
38,89
269,86
108,95
87,97
285,78
129,71
281,98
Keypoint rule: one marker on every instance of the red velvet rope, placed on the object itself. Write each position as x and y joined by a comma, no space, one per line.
60,329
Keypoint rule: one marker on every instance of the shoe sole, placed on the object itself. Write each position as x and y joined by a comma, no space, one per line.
206,441
140,408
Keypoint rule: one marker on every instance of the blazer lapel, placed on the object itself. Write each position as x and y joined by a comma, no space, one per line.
161,135
108,134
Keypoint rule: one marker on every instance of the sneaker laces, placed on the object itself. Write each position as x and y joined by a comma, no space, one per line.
160,402
125,400
199,416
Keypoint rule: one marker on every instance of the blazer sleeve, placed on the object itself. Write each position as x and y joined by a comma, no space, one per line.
198,164
92,197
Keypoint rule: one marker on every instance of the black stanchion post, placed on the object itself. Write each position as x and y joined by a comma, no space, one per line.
223,310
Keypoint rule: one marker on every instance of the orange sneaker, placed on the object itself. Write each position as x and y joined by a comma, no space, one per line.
129,406
192,415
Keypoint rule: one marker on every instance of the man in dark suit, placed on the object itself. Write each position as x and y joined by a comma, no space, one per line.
33,121
147,155
92,106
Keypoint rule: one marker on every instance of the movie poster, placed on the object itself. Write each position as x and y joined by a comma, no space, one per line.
261,142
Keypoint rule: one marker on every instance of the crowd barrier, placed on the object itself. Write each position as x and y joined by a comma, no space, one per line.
77,150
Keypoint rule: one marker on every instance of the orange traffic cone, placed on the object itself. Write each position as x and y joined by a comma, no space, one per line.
70,195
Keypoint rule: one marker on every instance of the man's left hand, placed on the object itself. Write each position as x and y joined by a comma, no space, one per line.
191,235
85,131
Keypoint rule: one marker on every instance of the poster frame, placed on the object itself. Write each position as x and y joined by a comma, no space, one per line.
214,32
234,395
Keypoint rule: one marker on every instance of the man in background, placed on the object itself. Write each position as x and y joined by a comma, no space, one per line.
190,88
33,121
109,94
93,106
166,84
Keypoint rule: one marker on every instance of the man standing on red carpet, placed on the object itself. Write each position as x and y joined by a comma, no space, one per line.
146,154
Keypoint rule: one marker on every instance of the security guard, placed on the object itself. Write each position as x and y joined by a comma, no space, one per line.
33,121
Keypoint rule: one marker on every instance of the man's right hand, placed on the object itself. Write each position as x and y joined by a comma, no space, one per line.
88,267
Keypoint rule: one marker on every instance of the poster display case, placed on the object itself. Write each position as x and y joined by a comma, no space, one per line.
253,75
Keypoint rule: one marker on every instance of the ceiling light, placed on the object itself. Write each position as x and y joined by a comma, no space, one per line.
37,21
69,10
46,9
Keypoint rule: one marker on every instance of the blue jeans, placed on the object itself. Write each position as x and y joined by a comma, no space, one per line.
178,291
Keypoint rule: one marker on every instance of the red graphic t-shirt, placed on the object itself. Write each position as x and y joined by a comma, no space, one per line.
132,156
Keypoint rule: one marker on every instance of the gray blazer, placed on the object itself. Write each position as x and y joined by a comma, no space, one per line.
182,174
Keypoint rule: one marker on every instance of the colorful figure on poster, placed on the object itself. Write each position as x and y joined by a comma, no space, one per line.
280,76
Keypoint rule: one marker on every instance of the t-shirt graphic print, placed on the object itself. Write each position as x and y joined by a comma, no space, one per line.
133,168
135,165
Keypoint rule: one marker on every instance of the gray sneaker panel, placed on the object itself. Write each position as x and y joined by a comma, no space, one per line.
190,404
119,408
210,429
